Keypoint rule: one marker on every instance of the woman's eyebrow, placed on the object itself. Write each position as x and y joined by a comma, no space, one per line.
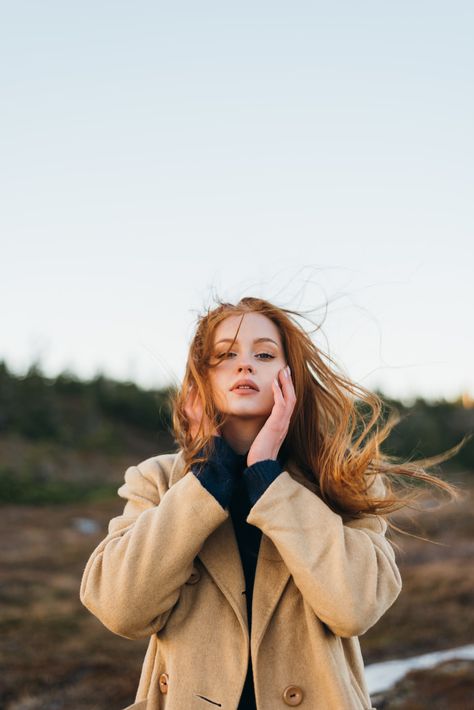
257,340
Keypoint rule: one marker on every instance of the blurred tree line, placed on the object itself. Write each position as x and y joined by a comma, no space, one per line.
104,415
77,413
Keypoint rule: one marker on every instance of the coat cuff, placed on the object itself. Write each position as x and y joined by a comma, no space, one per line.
260,476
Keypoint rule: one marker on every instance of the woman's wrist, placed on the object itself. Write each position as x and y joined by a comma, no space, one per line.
256,456
259,476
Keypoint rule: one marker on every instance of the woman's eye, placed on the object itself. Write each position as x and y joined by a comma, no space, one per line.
266,356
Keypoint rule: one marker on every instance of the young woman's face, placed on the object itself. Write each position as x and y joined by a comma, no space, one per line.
257,355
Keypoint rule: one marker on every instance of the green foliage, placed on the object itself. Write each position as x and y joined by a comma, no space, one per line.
430,428
119,419
81,415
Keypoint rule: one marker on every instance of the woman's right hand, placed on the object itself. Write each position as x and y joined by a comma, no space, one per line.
195,412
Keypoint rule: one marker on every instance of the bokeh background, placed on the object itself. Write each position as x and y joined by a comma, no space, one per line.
158,156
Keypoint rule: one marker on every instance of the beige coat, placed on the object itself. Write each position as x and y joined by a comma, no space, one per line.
170,569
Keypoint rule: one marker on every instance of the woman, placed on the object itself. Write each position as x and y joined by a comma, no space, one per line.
255,555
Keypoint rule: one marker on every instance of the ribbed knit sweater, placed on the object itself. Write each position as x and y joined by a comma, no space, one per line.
236,486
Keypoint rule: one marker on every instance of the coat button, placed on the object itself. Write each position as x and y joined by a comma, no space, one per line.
195,576
293,695
163,682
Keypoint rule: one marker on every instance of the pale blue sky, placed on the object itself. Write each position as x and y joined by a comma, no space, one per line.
153,152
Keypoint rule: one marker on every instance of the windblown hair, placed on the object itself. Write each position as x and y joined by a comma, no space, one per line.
336,428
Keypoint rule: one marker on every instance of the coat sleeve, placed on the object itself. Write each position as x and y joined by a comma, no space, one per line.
346,572
134,577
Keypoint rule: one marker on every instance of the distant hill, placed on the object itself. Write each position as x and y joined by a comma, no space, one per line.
66,439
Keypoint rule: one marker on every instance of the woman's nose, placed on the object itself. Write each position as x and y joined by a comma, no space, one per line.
245,367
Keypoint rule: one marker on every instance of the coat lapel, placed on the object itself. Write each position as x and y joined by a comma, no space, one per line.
272,574
271,577
221,557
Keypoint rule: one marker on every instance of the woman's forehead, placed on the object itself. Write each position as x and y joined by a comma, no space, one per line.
254,325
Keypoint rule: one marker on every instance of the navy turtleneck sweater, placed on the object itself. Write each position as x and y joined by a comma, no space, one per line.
237,487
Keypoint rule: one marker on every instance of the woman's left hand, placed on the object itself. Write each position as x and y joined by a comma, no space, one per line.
269,439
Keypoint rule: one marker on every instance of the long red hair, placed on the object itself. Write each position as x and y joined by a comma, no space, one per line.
336,429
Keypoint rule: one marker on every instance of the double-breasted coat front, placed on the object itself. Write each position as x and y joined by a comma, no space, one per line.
170,569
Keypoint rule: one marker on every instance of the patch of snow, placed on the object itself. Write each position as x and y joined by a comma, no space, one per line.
86,526
381,676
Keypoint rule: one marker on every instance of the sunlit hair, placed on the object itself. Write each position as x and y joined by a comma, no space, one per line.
336,428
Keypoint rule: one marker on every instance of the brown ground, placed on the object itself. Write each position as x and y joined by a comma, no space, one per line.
54,654
449,686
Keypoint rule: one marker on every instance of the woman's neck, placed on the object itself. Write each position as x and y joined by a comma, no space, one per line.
240,433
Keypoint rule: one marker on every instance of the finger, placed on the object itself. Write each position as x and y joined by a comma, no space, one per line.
190,395
278,394
285,383
288,393
281,413
188,405
288,387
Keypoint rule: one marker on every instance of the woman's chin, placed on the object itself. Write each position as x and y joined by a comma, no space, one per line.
247,410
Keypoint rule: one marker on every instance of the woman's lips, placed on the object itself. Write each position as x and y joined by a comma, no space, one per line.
244,391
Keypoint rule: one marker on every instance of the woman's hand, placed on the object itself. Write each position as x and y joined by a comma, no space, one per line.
269,439
195,413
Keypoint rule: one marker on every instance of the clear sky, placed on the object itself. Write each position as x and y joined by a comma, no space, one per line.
154,153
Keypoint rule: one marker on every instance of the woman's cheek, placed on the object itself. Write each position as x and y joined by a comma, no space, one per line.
268,396
218,396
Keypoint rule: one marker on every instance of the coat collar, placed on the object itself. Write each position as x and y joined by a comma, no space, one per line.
221,557
178,470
